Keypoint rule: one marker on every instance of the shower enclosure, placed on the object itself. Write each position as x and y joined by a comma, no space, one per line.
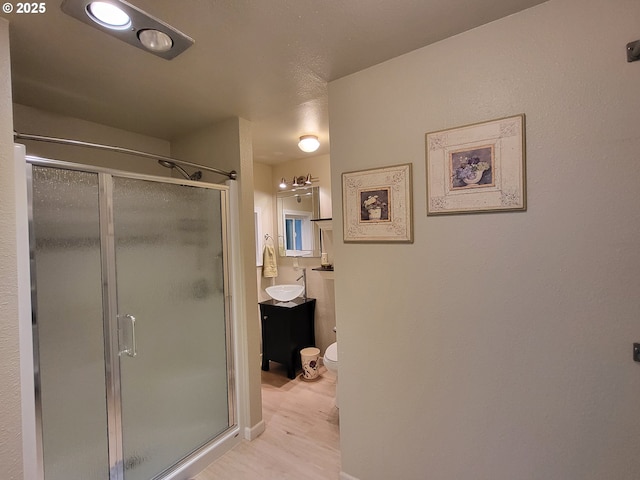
132,334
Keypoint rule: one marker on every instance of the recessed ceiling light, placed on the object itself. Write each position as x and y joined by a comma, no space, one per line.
108,15
309,143
155,40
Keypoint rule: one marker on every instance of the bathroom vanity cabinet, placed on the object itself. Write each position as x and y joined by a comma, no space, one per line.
286,329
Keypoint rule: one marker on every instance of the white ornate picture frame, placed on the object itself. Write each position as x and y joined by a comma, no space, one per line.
477,168
377,205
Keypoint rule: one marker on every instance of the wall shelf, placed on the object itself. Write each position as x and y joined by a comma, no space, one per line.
324,223
326,273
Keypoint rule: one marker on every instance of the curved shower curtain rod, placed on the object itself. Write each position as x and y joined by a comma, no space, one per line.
233,175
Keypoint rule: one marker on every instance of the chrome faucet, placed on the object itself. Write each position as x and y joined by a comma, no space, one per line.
304,283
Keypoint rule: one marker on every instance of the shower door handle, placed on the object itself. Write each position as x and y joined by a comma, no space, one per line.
128,340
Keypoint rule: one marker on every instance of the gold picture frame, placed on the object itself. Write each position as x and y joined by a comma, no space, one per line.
477,168
377,205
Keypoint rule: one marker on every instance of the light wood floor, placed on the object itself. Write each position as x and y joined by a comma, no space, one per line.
301,440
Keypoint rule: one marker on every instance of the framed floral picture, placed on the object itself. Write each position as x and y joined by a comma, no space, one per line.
477,168
377,205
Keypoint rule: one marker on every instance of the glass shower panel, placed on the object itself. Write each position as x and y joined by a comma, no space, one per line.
170,277
70,336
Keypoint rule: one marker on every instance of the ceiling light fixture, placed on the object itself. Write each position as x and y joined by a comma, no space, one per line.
108,15
127,22
309,143
155,40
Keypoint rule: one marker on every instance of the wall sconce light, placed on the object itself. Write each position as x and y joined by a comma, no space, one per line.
309,143
297,182
127,22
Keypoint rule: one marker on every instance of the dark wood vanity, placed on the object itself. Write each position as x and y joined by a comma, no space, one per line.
286,329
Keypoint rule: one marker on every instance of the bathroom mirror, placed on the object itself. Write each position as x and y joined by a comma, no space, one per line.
298,235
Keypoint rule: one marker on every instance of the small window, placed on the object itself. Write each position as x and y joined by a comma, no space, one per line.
298,233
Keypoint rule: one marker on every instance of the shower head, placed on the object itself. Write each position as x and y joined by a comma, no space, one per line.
166,163
195,176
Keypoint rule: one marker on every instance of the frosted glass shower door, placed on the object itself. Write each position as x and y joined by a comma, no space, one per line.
69,337
169,262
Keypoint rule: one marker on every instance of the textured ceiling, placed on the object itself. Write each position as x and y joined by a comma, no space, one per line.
267,61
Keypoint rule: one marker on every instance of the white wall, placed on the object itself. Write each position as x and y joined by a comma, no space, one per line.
10,413
498,346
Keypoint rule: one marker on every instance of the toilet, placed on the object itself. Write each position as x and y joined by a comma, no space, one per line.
330,361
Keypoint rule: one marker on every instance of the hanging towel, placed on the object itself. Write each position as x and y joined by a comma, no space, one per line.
269,262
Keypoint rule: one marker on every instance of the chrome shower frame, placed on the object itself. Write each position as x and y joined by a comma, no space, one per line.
114,414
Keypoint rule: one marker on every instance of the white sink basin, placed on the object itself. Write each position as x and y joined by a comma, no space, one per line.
284,293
